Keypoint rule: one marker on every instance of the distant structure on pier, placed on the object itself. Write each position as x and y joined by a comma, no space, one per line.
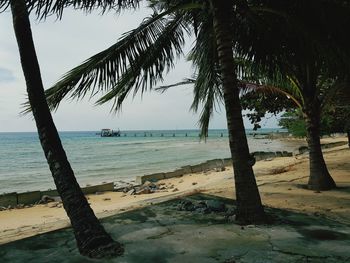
155,133
109,133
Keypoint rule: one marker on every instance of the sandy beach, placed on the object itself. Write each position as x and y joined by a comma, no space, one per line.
280,182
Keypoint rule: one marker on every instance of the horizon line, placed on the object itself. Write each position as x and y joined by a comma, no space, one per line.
182,129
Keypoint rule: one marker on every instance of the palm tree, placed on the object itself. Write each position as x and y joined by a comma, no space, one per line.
141,57
92,239
271,95
247,194
297,52
313,50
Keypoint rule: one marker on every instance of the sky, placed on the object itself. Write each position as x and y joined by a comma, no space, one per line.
63,44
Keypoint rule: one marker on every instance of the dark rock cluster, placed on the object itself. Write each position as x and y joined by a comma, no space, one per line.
48,199
203,207
149,188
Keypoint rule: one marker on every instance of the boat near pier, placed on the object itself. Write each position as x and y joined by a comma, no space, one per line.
109,133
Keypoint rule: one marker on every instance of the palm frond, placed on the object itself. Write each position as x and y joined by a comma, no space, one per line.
316,34
4,5
186,81
45,8
207,87
265,89
140,57
150,65
254,77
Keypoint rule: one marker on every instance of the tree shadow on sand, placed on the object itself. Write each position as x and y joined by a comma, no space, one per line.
170,232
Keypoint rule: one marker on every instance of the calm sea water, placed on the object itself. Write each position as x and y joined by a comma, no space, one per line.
95,159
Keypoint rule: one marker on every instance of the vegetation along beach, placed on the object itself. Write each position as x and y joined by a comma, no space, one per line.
200,131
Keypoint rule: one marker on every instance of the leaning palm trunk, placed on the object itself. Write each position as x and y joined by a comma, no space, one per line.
320,178
92,239
249,207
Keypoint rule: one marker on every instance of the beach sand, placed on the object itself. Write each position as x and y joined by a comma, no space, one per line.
280,182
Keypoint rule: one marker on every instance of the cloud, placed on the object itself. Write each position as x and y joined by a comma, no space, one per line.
6,75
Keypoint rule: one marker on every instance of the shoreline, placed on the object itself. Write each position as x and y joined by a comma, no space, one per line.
278,179
328,142
106,159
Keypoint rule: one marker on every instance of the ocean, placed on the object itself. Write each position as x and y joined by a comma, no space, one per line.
98,159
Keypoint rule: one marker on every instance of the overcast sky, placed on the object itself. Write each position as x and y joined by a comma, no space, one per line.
61,45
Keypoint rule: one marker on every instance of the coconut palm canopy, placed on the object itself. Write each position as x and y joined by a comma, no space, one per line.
139,60
316,62
312,52
142,56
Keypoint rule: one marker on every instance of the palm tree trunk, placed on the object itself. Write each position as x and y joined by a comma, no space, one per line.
320,178
249,207
92,239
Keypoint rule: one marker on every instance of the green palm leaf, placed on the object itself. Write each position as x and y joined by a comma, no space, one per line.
140,57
